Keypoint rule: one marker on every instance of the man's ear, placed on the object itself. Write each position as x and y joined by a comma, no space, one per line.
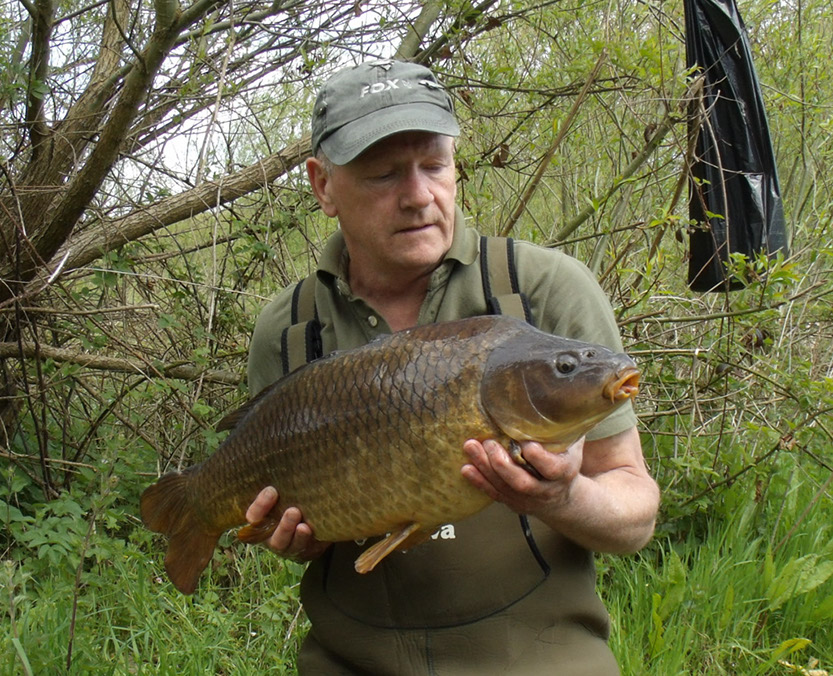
319,180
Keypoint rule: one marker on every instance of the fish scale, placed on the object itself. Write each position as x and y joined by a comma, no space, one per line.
361,495
369,441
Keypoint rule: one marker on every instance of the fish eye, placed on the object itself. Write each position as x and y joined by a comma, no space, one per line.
566,363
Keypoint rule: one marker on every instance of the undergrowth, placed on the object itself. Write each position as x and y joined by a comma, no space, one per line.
724,599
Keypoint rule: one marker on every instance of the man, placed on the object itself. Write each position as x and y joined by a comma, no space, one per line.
494,593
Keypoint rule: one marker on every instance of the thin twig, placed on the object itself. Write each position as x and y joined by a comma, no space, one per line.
11,455
694,319
662,129
29,310
535,181
76,591
217,100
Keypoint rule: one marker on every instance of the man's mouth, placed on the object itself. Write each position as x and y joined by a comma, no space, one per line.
416,228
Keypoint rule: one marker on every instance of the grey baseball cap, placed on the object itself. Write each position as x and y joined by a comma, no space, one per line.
363,104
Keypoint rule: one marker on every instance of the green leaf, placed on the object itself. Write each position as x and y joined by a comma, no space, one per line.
824,610
769,567
21,653
798,577
656,639
788,647
38,89
727,609
674,576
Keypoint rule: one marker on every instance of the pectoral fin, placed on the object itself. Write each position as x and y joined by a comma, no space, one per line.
405,538
259,531
517,456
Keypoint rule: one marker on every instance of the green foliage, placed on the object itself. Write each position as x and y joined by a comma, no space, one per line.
799,576
131,621
703,605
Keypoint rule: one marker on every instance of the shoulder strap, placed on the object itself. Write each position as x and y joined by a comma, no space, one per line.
301,340
504,297
500,279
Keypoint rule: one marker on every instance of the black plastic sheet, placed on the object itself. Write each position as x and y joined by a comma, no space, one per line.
735,200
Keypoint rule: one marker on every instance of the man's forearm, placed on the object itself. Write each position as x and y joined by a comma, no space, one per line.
613,512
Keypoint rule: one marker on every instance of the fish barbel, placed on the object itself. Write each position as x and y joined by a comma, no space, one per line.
369,441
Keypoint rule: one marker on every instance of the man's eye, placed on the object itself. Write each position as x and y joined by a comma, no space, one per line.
440,167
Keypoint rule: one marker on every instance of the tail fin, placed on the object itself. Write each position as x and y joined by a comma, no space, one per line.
166,509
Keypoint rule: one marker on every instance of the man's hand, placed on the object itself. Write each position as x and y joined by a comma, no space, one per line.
292,538
495,472
597,493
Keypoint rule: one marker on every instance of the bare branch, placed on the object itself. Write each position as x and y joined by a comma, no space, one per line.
713,316
660,132
545,161
79,12
467,18
417,31
39,67
115,364
82,188
90,245
29,7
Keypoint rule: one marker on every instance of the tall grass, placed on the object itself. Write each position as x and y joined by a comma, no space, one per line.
244,619
717,602
723,603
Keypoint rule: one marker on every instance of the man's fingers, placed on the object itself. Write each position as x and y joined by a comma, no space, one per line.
302,538
283,539
292,538
490,463
260,508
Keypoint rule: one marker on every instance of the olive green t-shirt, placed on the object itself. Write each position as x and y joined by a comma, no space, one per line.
563,295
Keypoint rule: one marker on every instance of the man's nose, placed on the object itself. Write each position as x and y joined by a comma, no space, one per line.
415,190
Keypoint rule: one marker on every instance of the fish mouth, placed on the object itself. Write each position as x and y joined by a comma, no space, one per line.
624,385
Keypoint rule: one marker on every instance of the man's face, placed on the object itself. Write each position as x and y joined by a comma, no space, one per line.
394,202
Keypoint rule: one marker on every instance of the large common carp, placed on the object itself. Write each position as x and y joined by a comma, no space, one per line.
370,441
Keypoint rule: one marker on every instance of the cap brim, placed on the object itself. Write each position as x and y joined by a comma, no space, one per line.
349,141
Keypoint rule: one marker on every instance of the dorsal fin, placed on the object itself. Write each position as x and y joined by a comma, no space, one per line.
232,420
